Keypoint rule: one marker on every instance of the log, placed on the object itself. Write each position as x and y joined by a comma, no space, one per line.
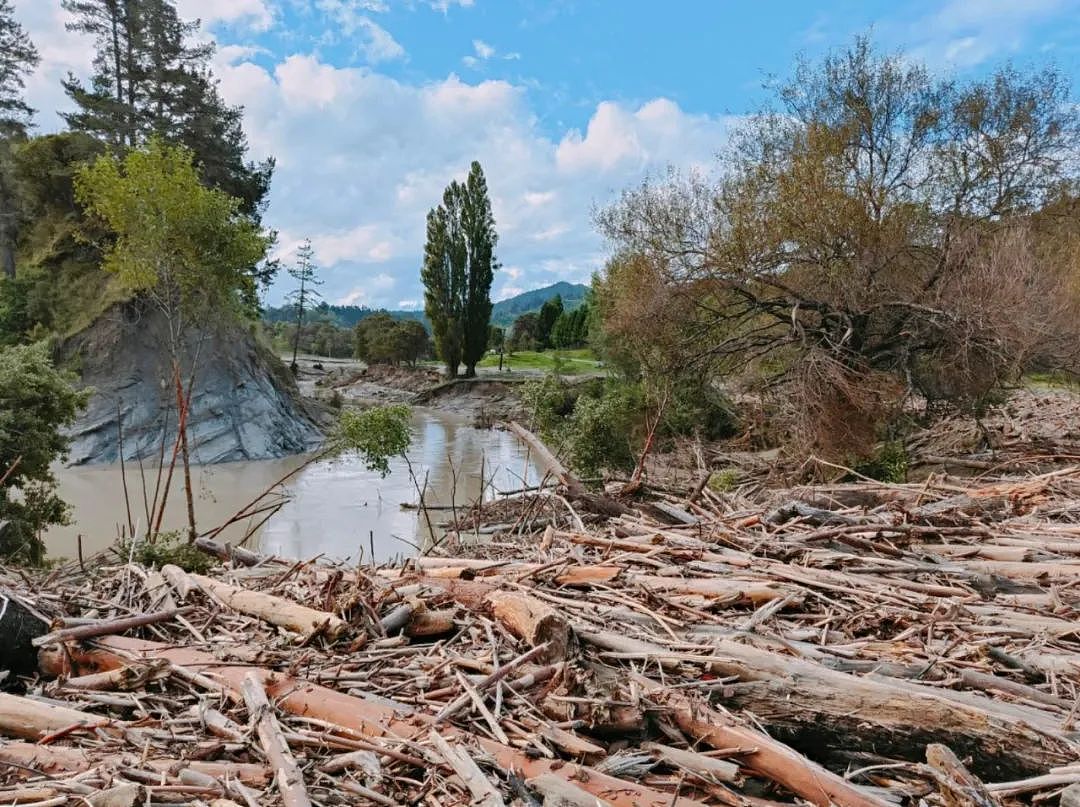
558,792
708,768
107,627
604,505
770,759
273,609
364,716
799,698
484,793
526,617
55,759
532,620
124,679
30,720
290,781
962,788
430,623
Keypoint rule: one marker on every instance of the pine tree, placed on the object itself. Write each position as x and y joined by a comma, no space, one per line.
152,79
18,57
459,265
106,109
306,274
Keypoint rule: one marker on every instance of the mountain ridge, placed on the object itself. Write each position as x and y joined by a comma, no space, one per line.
503,312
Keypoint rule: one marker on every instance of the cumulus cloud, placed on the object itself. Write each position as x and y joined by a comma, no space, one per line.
255,14
362,156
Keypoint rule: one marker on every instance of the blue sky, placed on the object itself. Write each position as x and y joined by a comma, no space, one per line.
372,106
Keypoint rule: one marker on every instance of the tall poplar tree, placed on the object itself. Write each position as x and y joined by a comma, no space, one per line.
459,265
18,57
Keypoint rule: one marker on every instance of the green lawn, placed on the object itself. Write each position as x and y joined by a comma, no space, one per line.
569,362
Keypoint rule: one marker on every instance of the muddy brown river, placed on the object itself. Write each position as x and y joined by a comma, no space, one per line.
336,508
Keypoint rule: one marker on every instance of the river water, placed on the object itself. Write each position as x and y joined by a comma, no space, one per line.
336,508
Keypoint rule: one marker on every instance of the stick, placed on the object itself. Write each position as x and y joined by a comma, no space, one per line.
287,773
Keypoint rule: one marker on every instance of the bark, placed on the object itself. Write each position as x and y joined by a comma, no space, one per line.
273,609
816,707
54,759
290,781
770,759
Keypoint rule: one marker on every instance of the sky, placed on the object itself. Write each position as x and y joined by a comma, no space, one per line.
371,107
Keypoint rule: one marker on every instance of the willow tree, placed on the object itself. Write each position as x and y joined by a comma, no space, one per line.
869,237
185,248
459,266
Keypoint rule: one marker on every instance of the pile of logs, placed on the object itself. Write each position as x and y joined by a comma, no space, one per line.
919,645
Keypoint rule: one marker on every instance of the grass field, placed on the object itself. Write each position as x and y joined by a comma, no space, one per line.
570,362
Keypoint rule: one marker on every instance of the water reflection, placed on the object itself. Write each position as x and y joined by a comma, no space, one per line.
336,508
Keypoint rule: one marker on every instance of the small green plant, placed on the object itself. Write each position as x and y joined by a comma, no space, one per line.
377,434
889,463
168,548
724,481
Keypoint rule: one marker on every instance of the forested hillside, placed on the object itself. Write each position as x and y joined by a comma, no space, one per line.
503,312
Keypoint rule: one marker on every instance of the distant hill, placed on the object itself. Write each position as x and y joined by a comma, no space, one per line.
503,312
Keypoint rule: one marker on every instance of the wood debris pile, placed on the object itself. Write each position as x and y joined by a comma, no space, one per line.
874,645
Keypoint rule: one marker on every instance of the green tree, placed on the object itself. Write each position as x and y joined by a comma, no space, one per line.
524,332
18,58
186,248
152,78
459,266
497,342
549,314
305,273
478,224
415,343
36,402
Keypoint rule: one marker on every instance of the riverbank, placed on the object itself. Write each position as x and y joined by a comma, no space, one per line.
490,398
855,644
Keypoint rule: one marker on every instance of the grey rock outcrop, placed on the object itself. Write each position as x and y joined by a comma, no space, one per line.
245,406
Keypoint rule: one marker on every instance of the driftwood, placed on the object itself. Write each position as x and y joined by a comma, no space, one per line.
290,781
276,610
365,717
847,651
575,488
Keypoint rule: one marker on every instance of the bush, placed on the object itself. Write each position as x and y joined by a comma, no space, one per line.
377,434
168,548
604,431
36,402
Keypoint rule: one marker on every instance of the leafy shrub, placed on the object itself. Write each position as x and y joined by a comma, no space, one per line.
167,548
376,434
603,430
888,464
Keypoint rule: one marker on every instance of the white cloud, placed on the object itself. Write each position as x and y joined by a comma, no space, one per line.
483,52
255,14
966,33
379,46
361,158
